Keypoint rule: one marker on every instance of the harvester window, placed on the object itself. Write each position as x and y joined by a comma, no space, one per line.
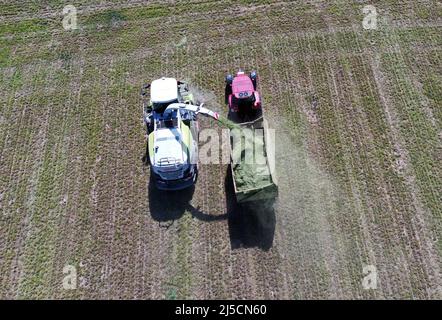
168,123
161,106
172,123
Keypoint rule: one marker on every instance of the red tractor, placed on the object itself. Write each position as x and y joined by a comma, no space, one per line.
242,97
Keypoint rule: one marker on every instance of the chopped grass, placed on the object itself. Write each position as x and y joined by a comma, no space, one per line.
249,162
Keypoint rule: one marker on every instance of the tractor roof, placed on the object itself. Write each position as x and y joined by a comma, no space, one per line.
242,84
164,90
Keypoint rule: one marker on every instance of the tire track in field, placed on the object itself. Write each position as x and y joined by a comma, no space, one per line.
303,86
419,222
296,207
365,170
31,145
393,193
37,267
414,218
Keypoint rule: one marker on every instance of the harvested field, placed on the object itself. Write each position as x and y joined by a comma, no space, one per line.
358,118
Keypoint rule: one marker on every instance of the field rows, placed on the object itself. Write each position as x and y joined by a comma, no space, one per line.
358,124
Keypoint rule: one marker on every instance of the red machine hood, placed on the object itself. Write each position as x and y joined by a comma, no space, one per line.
242,86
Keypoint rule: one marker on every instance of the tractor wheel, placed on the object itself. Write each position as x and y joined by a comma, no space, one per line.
254,77
227,93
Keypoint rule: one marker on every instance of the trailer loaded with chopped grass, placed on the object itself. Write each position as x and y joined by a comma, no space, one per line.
252,162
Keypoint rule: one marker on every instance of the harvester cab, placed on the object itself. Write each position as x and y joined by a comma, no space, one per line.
242,97
172,128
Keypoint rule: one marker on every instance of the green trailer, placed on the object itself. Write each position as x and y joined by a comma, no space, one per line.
253,162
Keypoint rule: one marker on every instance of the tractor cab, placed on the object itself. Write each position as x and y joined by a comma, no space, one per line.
241,95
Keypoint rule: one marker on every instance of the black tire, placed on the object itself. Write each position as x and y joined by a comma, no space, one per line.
227,93
254,77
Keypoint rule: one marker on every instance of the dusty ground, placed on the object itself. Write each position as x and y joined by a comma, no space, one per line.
358,121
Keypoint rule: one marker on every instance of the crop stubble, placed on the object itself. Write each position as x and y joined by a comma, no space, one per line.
345,104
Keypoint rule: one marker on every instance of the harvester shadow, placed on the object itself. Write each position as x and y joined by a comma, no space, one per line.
168,206
249,225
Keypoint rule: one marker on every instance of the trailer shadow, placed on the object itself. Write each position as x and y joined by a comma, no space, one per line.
249,226
168,206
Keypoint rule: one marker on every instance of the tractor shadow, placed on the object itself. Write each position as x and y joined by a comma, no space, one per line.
168,206
249,226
